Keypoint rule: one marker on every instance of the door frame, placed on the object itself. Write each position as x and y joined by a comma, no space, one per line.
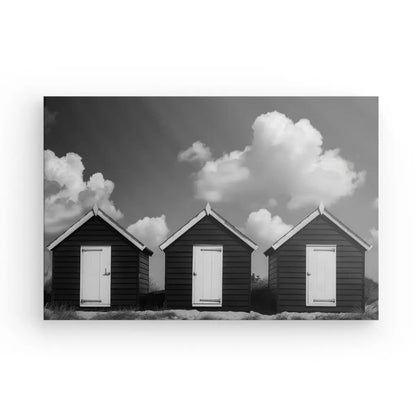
321,304
207,304
92,305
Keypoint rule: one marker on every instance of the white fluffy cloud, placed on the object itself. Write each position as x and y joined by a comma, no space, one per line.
197,152
284,159
264,227
217,177
150,230
68,196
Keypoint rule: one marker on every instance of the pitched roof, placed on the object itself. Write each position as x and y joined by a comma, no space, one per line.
207,211
321,210
95,211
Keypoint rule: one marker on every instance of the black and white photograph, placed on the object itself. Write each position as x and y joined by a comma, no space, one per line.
205,208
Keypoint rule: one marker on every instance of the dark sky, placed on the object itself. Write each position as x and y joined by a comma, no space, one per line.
134,142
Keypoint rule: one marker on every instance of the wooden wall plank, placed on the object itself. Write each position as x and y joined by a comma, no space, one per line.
125,262
288,267
236,267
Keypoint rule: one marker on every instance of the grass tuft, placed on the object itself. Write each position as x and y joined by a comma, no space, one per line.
60,313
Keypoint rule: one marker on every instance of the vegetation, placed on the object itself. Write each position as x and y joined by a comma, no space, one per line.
371,313
261,297
61,312
370,291
261,303
47,292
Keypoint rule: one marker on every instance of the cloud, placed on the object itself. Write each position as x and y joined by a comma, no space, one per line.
285,159
216,178
264,227
374,234
151,231
68,196
197,152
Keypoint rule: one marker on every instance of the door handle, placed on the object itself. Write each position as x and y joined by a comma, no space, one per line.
308,274
194,274
106,273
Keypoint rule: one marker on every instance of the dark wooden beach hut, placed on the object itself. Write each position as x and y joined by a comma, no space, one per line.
208,265
97,263
318,266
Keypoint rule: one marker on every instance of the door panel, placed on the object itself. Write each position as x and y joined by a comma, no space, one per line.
207,276
95,279
91,275
321,275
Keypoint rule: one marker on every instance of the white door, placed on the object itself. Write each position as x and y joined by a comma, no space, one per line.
207,276
95,287
321,272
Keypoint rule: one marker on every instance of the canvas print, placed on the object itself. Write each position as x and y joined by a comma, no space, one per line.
196,208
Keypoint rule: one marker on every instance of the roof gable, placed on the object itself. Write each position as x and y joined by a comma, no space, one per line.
95,211
321,210
208,211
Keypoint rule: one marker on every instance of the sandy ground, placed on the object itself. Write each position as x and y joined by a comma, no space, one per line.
196,315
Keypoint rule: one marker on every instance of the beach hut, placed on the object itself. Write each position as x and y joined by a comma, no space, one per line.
97,263
208,265
318,266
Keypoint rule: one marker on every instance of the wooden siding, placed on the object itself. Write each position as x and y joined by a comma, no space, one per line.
124,265
143,273
236,267
273,274
290,261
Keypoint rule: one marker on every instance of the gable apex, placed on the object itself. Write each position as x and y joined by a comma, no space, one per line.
321,210
97,212
207,211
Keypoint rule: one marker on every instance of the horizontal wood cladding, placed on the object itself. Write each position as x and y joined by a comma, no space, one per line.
143,273
129,266
288,264
273,274
236,267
